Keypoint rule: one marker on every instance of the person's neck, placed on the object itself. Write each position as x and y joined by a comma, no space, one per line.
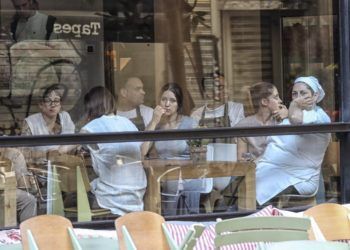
124,106
263,115
31,14
49,120
171,121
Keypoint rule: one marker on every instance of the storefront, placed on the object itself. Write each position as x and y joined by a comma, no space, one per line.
215,50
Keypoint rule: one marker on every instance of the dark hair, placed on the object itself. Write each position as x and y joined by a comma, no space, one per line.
99,101
58,88
176,89
259,91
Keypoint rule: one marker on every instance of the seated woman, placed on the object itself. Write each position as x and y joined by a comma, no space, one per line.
269,111
292,163
168,115
121,181
51,120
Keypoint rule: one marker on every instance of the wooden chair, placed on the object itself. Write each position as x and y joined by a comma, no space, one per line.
8,212
190,239
48,232
82,186
145,229
256,229
135,229
308,244
332,219
295,200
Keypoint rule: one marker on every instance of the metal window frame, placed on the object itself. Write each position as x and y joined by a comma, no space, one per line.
181,134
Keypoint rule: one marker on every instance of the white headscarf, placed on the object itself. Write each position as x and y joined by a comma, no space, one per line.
313,83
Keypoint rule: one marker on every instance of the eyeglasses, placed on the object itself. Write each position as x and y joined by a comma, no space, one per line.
54,102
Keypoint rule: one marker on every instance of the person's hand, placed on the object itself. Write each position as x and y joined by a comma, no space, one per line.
305,103
157,114
281,113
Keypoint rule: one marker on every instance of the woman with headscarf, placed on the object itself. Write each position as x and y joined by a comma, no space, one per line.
292,163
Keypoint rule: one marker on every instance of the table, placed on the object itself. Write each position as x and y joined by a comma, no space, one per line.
193,170
85,243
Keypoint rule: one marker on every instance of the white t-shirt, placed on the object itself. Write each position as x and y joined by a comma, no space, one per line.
38,126
34,28
235,112
121,180
146,113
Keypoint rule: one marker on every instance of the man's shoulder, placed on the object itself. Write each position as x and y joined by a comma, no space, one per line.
235,105
146,108
248,121
198,111
33,117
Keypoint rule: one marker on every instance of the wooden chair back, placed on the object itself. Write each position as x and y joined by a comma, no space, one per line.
256,229
49,231
332,219
66,167
5,164
145,229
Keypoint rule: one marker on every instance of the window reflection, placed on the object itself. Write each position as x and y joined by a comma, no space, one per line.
227,64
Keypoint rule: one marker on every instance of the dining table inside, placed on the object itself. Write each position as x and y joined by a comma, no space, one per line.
158,170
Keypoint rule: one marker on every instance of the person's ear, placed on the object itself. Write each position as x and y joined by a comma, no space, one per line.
264,102
123,92
41,105
316,95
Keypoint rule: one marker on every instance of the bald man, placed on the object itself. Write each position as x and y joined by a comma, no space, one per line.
130,103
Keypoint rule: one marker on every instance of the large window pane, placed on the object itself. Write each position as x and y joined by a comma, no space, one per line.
167,65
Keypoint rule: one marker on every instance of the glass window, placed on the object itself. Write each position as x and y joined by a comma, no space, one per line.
211,82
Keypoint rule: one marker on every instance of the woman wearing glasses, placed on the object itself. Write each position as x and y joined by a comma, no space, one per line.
51,120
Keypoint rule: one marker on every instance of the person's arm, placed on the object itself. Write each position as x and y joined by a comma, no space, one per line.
242,148
157,116
280,114
296,108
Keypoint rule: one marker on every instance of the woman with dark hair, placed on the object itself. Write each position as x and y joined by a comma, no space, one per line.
51,120
121,181
269,110
168,115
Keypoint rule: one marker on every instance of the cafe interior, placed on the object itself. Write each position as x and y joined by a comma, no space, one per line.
164,134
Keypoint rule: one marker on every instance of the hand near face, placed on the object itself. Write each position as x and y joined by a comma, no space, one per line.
305,103
158,112
281,113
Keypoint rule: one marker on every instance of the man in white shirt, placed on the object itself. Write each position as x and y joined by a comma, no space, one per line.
30,24
130,103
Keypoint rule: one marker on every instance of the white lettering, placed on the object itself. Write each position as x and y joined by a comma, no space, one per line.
67,28
93,28
86,30
57,28
76,30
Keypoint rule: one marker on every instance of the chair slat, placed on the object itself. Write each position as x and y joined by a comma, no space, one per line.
259,236
267,222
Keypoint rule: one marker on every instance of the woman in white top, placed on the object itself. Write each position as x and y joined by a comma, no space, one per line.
292,163
51,120
121,181
269,111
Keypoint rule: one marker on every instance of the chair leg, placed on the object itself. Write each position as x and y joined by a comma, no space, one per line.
84,211
57,200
